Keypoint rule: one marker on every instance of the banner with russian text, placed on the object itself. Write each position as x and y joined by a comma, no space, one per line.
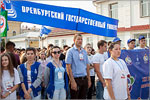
61,17
138,65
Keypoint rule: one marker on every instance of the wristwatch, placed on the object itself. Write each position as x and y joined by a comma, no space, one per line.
10,92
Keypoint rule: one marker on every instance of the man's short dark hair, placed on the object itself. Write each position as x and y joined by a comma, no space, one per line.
50,45
75,36
9,44
65,46
23,49
31,49
101,43
109,43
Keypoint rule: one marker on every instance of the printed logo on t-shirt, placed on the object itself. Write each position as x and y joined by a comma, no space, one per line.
9,85
123,76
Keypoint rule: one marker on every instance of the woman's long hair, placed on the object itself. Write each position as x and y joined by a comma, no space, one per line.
10,65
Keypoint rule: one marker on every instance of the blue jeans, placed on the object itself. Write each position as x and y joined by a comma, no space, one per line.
99,90
59,95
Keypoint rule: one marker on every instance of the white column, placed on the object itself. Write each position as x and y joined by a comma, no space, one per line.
39,42
25,43
28,42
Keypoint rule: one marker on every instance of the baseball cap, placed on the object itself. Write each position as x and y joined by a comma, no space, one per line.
116,39
130,40
141,37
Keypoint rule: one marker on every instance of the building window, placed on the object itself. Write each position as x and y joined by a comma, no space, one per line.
89,40
63,42
145,8
114,10
14,33
56,43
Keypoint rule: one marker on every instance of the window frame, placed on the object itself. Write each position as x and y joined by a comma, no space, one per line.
14,33
55,42
63,43
110,9
147,10
89,40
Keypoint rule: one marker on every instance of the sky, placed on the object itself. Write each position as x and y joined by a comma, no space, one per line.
85,4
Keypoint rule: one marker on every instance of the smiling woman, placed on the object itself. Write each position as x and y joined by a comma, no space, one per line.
9,78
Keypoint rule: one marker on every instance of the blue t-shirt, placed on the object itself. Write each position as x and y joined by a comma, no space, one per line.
59,78
78,66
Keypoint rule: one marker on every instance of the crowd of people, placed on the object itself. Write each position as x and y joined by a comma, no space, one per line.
69,73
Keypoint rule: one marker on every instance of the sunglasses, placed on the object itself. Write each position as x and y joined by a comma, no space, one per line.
56,52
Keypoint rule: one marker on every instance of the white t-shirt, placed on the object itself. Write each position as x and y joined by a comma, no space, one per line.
117,71
140,47
92,73
106,55
9,82
29,78
100,58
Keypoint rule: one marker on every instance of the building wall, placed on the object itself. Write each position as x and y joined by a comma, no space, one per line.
136,16
25,43
69,40
34,44
14,26
129,14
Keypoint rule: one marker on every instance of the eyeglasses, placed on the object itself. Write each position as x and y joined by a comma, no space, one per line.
56,52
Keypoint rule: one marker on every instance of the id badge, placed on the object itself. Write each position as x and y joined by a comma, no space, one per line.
81,56
59,75
123,76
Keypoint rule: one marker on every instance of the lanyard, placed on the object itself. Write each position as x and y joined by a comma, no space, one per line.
119,65
57,64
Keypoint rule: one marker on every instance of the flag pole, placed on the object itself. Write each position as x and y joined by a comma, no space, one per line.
39,41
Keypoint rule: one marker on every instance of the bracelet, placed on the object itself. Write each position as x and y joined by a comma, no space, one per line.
9,92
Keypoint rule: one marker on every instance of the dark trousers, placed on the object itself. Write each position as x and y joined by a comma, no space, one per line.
82,86
91,89
43,93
